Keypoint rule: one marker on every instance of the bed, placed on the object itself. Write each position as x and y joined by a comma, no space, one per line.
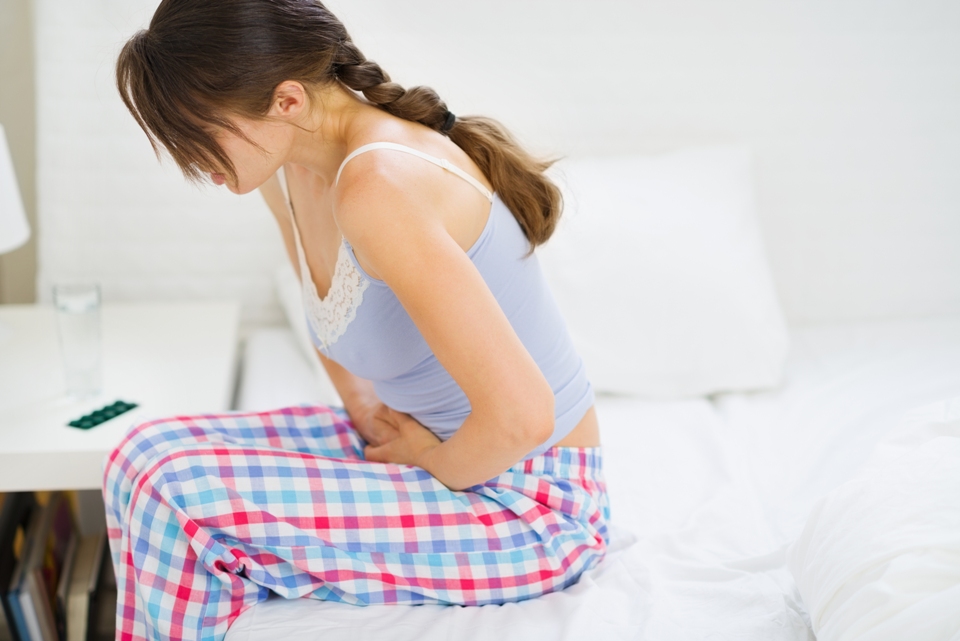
741,453
707,495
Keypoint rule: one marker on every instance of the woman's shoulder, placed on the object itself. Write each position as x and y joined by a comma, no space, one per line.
386,185
397,162
375,185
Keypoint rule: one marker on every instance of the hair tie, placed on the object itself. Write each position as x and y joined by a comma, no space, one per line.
448,122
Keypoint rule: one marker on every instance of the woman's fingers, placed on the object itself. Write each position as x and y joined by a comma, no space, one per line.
366,431
384,426
408,444
376,453
376,426
402,420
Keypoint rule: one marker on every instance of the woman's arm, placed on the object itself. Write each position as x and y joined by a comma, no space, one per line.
369,416
406,244
273,195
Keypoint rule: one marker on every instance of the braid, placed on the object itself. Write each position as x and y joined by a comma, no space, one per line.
419,104
516,175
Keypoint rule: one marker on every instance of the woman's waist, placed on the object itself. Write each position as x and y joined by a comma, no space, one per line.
586,433
445,414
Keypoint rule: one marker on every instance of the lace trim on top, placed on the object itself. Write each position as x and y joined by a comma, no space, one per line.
330,316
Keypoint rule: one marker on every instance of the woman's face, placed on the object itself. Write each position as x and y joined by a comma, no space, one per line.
253,166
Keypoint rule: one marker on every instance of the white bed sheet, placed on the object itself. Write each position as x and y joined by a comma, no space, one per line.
706,496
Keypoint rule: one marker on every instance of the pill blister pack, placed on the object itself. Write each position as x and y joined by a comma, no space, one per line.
101,415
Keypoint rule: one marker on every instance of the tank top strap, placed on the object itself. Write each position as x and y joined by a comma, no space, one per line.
440,162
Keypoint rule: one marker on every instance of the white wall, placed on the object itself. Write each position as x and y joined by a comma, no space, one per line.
108,210
850,105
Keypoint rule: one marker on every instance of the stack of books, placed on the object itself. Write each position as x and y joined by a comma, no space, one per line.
52,579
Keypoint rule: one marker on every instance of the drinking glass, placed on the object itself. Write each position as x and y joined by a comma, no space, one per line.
78,322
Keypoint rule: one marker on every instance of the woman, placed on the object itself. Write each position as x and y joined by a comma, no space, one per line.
465,465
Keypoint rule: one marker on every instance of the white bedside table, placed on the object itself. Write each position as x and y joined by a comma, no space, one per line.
169,358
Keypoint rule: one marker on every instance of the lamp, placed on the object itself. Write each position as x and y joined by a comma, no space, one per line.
14,230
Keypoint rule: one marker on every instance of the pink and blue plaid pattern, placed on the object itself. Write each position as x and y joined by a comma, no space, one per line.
209,514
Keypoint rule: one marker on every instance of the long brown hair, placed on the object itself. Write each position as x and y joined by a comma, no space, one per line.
201,60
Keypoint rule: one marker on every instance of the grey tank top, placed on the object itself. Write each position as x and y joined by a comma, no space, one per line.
361,324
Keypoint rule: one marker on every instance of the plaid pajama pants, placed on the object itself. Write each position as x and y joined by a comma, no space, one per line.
209,514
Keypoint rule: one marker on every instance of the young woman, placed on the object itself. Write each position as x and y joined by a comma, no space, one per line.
465,465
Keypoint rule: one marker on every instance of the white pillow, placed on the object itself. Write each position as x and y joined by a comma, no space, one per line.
291,299
659,270
879,557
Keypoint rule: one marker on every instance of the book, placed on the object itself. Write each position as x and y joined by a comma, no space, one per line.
82,590
19,624
103,628
42,568
63,585
18,507
5,633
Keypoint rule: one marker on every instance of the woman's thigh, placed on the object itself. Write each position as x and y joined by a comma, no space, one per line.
365,532
319,430
208,514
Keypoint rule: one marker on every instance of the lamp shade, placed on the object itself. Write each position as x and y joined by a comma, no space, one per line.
14,230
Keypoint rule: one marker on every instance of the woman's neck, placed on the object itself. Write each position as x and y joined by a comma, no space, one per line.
323,136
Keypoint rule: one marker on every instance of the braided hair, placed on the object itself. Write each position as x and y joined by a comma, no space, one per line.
419,104
200,61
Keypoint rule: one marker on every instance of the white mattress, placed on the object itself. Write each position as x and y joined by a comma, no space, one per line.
706,496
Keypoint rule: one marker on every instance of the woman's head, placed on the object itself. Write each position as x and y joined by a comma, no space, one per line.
205,76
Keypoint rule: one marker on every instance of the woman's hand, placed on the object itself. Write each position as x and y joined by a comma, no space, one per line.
374,424
407,443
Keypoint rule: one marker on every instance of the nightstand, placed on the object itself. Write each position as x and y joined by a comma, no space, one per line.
169,358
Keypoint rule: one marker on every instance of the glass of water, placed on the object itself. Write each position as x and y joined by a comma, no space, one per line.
78,322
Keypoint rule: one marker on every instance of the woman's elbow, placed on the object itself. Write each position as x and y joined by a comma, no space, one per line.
543,430
534,419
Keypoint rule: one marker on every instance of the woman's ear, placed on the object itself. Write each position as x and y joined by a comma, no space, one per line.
289,100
